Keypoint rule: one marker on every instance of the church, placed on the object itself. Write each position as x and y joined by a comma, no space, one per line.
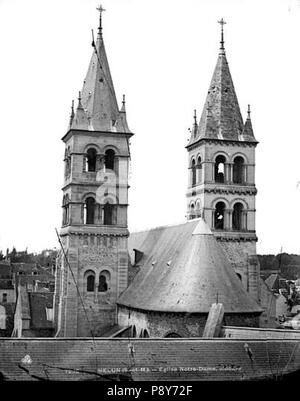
161,282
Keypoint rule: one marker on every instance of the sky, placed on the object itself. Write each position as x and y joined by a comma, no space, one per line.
162,54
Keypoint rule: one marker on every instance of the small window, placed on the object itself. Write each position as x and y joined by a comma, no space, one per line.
238,170
220,169
145,334
89,211
219,216
237,216
194,172
90,283
110,159
199,167
104,280
192,211
4,298
65,209
91,157
109,211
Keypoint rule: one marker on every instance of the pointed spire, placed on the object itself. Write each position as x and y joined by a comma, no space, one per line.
248,134
221,116
98,94
122,125
80,120
222,48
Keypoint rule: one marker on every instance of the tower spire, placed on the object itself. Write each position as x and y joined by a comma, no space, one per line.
100,9
98,94
222,48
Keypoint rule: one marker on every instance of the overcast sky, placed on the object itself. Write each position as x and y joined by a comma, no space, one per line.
162,54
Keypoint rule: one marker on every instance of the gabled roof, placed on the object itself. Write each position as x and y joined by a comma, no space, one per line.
184,269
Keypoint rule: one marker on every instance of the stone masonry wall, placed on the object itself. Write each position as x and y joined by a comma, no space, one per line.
160,324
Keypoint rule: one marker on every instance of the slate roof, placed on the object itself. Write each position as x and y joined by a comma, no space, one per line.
184,269
221,117
98,108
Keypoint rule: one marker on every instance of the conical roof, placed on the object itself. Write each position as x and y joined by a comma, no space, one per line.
184,269
98,94
248,134
221,116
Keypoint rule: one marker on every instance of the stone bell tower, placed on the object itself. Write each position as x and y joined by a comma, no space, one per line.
221,186
93,264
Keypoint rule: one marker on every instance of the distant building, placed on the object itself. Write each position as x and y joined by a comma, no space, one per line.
33,314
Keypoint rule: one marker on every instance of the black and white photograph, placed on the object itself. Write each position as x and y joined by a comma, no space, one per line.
150,188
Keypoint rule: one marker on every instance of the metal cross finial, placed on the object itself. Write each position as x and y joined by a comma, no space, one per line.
222,23
100,9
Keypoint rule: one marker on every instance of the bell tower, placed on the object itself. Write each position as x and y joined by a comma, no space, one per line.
92,269
221,186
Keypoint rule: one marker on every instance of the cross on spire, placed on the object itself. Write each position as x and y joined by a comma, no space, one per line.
100,9
222,23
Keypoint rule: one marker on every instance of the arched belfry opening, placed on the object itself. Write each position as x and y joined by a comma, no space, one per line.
199,170
109,160
89,277
90,160
109,214
238,170
104,280
219,218
220,169
237,216
194,172
89,210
